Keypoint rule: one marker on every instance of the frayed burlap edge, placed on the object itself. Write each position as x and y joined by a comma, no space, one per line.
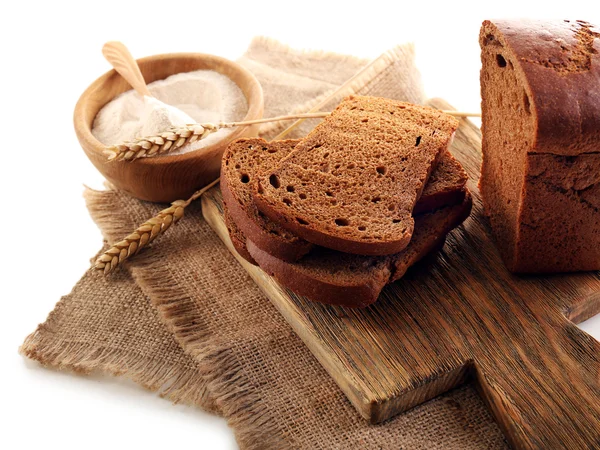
220,371
225,375
179,386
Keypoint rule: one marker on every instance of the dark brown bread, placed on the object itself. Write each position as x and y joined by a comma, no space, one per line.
338,278
444,187
241,163
353,182
245,158
237,237
540,178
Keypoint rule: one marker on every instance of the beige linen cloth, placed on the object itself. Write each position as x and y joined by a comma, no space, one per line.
184,319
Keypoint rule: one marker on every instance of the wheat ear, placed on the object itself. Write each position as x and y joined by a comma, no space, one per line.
145,233
166,142
177,137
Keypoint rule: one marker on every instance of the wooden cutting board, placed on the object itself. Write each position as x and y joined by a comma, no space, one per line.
460,315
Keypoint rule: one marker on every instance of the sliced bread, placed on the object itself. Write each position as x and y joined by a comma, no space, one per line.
352,184
444,187
339,278
238,239
244,159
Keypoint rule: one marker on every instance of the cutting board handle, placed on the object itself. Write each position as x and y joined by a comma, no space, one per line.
546,394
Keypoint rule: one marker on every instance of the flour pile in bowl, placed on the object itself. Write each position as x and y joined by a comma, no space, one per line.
205,95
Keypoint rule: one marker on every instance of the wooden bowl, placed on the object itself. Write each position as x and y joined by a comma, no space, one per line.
165,178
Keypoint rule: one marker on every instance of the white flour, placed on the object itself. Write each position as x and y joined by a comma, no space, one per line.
205,95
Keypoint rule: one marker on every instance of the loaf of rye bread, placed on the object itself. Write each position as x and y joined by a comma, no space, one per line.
338,278
244,159
352,184
540,177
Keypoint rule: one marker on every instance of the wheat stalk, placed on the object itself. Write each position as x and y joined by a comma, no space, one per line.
145,233
166,142
177,137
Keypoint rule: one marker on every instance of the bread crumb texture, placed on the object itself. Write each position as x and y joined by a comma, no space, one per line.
353,182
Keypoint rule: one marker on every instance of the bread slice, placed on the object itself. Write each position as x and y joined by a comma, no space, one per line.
339,278
237,237
241,163
444,187
352,184
244,159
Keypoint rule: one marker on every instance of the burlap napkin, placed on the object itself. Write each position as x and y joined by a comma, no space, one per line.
184,319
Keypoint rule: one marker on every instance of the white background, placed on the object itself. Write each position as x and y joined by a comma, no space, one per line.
50,52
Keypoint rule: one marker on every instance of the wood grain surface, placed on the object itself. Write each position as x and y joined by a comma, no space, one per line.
460,315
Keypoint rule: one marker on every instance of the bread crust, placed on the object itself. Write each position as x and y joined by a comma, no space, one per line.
561,63
363,288
445,186
289,250
237,238
353,295
436,224
267,236
324,239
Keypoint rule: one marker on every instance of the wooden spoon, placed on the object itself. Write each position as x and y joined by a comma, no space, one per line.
120,58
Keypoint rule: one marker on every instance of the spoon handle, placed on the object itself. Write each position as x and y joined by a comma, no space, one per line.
119,56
